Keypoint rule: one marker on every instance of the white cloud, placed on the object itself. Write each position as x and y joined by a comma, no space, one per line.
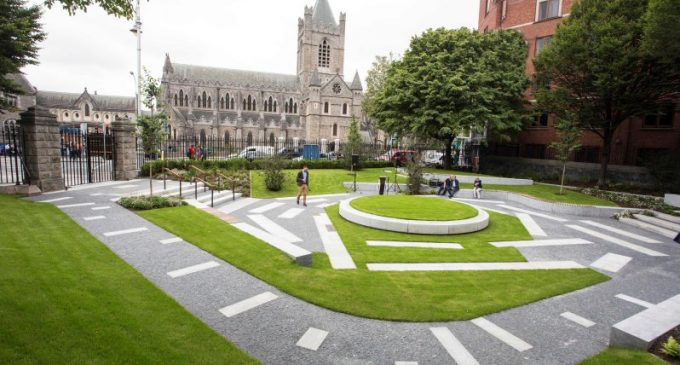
97,51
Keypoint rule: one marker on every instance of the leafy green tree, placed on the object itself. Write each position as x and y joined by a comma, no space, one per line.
453,80
151,128
354,144
151,91
374,80
569,134
118,8
20,33
601,70
661,31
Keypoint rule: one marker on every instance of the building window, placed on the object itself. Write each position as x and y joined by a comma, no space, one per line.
209,102
87,110
335,130
176,101
96,116
274,106
186,100
198,101
662,119
325,107
181,98
106,117
541,43
226,99
285,108
250,102
76,115
588,154
249,139
324,54
540,121
270,104
222,103
534,151
547,9
295,108
254,104
244,104
232,104
488,6
344,109
204,98
266,105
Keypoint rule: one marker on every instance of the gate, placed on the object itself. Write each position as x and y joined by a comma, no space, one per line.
86,157
12,167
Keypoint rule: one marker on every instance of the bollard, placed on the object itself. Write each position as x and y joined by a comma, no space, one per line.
381,189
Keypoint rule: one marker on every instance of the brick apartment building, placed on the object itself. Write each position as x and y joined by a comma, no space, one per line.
633,140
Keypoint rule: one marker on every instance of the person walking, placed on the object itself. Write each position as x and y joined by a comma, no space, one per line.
303,185
477,188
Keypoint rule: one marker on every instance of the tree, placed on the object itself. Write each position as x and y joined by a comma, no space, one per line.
118,8
374,80
661,31
354,142
151,128
151,91
569,134
601,70
454,80
20,33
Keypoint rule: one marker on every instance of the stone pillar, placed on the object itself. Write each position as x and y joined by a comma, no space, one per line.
125,157
42,148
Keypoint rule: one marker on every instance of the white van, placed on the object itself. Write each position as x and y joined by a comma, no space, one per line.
257,152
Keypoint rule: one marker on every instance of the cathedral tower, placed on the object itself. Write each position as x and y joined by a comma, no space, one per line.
321,44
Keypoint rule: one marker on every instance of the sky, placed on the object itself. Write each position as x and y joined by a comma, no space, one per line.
98,51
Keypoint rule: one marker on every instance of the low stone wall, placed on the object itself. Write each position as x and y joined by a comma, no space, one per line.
576,171
492,180
672,199
550,207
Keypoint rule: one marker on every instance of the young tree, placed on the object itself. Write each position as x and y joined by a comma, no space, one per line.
354,142
20,33
374,80
151,128
151,91
453,80
602,72
569,134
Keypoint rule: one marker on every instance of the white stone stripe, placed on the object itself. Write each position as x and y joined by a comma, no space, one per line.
621,232
451,344
481,201
193,269
637,301
239,204
542,243
611,262
501,334
247,304
617,241
101,208
314,201
55,200
452,246
75,205
530,224
533,213
291,213
312,339
315,196
326,205
272,240
94,218
170,240
482,266
585,322
126,231
273,228
333,245
266,208
491,209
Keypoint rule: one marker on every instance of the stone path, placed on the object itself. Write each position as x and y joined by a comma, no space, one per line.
279,329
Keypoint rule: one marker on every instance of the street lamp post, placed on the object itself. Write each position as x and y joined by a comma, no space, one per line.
137,30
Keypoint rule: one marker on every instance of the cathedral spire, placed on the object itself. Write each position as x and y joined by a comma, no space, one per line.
167,67
323,14
356,83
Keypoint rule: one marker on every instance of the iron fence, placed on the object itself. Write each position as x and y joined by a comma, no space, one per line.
12,167
86,157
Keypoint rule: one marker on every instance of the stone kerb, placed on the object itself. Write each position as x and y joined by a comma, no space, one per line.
42,149
474,224
492,180
641,330
125,157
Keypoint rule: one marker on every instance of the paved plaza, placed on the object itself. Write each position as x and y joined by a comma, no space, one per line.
277,328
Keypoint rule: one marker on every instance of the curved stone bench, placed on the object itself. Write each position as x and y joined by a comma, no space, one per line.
474,224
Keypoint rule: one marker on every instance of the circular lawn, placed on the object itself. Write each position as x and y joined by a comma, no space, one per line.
413,208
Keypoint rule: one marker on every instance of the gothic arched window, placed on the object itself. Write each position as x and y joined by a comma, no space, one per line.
198,101
222,103
335,130
324,54
265,105
325,107
186,100
270,104
244,104
209,102
254,104
344,109
232,104
226,98
285,107
87,110
274,106
204,97
181,98
250,103
176,100
295,108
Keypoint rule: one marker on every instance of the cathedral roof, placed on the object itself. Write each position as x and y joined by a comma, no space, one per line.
235,77
356,83
323,14
56,99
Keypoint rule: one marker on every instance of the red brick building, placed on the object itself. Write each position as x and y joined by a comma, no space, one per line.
635,138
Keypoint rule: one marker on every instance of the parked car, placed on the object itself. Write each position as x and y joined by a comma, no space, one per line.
432,157
399,156
290,152
256,152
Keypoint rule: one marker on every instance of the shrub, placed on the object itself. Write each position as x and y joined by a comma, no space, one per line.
150,202
671,348
273,174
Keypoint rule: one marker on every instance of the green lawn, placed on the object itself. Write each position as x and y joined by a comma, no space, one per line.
320,181
413,207
402,296
616,356
65,298
330,182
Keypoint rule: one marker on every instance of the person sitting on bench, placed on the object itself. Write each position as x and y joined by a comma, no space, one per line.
446,187
477,188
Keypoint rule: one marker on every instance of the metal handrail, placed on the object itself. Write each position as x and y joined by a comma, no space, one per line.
180,177
205,183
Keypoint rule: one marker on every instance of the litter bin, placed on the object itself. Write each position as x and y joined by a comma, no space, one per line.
381,188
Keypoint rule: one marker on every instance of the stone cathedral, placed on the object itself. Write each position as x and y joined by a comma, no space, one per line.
316,103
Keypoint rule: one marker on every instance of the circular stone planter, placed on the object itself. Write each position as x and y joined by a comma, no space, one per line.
474,224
